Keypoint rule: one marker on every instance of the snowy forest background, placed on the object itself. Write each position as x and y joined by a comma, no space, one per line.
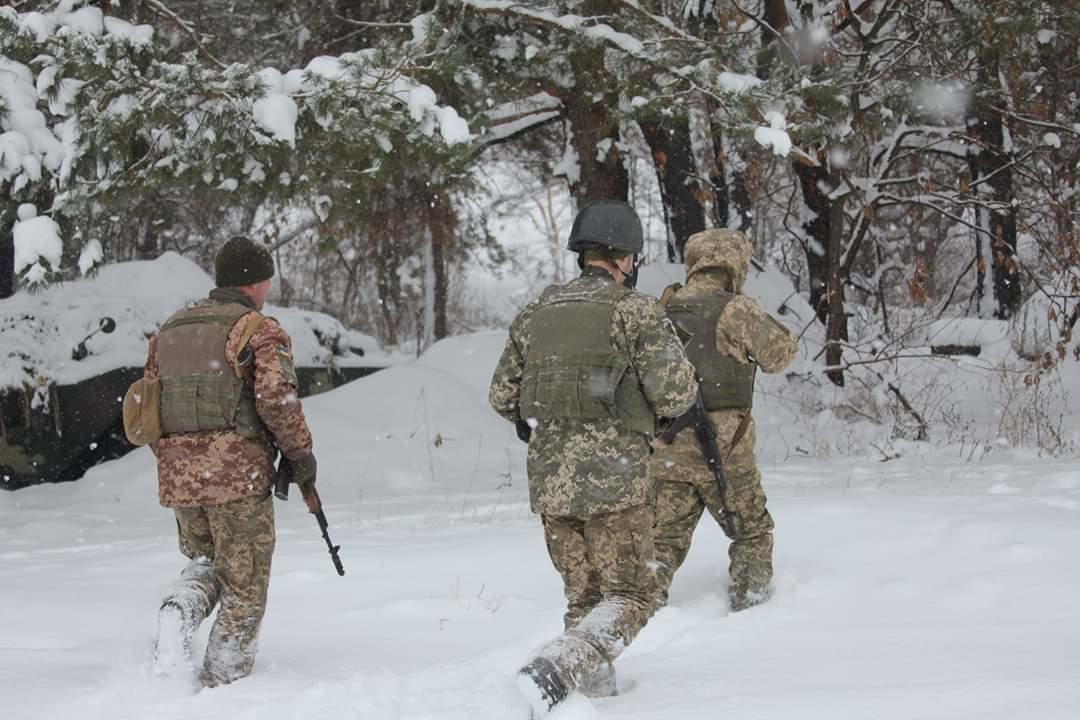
910,166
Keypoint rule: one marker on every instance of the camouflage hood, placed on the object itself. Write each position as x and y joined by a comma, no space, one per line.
726,251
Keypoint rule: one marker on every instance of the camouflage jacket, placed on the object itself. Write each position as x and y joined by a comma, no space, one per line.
584,468
216,467
743,328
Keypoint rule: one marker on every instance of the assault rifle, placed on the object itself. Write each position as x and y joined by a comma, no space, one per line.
282,481
698,417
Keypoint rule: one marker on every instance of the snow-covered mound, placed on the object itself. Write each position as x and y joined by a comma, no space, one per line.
411,429
39,330
470,358
416,429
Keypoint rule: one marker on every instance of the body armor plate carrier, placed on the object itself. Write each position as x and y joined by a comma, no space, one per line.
725,382
572,370
200,390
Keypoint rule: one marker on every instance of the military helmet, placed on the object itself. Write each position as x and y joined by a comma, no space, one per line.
719,249
610,223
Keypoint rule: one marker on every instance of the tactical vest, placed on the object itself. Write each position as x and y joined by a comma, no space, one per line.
200,389
572,370
725,383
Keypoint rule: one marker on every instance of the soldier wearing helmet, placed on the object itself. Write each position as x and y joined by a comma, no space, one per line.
728,337
588,368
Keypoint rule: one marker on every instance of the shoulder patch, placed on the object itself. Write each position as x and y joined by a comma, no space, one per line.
288,367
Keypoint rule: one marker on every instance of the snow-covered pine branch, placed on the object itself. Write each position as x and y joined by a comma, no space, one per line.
91,109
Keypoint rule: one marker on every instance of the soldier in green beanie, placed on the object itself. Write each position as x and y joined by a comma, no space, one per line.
215,459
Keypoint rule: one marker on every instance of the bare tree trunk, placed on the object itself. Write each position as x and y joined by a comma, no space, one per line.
594,123
7,254
676,172
818,235
442,222
836,330
992,178
594,135
387,281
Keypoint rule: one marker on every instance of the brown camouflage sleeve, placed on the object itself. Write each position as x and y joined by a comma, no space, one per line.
276,398
667,378
744,328
505,389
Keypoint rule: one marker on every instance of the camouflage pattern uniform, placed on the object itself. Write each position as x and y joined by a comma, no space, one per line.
218,483
717,262
588,477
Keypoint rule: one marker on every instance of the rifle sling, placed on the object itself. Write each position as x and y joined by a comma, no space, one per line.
686,420
744,425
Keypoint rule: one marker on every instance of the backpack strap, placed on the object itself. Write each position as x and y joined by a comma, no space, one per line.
245,337
669,292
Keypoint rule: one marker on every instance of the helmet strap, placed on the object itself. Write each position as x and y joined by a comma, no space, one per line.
630,279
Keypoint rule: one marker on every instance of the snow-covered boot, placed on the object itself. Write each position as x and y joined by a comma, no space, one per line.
175,639
539,682
600,683
741,598
189,600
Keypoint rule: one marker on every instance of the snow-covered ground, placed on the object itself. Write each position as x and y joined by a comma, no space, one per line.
926,587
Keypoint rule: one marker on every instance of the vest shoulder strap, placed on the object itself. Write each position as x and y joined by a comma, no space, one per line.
245,338
669,292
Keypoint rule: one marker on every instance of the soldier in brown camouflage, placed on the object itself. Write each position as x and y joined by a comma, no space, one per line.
727,337
228,406
586,370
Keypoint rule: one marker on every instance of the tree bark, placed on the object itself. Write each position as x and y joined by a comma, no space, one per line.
836,330
731,203
7,256
441,223
818,235
594,125
992,177
676,172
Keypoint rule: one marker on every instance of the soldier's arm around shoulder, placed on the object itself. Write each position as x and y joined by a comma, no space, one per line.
276,397
505,389
744,328
667,378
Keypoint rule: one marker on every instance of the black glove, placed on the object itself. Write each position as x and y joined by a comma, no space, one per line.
302,471
524,431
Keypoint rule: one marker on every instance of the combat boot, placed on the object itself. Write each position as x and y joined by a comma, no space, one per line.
175,638
599,683
542,686
740,598
187,603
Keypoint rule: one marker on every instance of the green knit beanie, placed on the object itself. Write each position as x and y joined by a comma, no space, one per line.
242,262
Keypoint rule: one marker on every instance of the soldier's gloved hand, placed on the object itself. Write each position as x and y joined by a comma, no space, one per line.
303,471
524,431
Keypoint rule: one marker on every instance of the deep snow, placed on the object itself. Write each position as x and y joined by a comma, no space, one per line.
924,587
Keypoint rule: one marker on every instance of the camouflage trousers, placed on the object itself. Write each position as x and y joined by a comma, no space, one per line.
606,563
685,488
230,547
